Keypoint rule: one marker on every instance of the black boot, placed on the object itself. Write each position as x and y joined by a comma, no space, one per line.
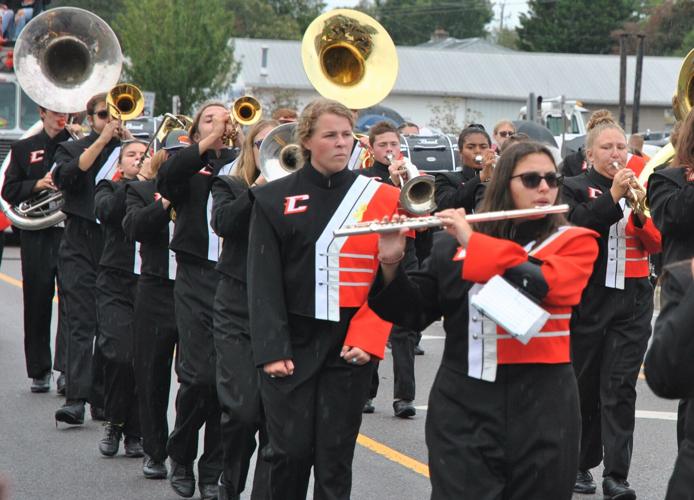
72,412
182,479
42,383
108,446
153,469
133,447
60,385
584,482
617,489
403,408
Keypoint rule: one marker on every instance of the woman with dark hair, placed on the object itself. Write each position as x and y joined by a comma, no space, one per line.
503,419
312,333
462,189
611,326
237,376
185,179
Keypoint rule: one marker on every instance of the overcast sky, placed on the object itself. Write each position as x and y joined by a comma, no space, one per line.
511,11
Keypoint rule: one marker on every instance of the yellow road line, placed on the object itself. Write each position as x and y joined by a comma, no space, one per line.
393,455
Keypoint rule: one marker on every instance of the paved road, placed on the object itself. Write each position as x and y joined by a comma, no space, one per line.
42,461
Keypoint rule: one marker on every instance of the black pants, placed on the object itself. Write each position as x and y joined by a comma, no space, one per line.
238,390
402,342
155,341
115,290
609,335
80,251
512,439
39,250
313,416
196,401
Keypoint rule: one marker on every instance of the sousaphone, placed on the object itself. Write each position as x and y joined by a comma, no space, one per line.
349,57
62,57
280,154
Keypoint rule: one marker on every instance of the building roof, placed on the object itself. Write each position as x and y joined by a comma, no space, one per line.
468,44
425,71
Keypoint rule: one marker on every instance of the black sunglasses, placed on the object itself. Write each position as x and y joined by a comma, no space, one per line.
506,133
531,180
103,114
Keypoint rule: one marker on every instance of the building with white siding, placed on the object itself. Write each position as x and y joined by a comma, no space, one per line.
450,88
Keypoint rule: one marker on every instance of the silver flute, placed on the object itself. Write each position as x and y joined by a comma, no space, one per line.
434,221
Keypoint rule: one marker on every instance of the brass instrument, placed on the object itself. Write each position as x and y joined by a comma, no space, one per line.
245,111
125,101
637,195
416,190
434,221
169,122
682,103
349,57
280,154
61,56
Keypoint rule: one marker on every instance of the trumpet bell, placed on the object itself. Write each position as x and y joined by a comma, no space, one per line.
417,195
172,122
246,110
64,55
280,155
349,57
125,101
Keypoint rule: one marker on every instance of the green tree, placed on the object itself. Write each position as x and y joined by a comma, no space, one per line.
583,26
282,19
411,22
177,47
105,9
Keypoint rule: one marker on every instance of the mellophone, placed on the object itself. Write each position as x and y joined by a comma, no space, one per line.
434,221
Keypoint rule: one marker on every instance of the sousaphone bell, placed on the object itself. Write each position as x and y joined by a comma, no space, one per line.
280,154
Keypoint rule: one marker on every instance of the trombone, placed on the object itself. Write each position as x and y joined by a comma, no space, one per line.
169,122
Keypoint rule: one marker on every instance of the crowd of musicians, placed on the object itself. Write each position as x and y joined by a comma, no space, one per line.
275,326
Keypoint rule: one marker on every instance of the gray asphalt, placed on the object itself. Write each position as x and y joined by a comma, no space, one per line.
41,461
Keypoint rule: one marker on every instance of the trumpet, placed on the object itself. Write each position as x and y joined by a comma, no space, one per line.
245,110
434,221
637,194
417,191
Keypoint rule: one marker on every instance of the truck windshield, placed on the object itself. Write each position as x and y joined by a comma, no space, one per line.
29,112
8,105
554,123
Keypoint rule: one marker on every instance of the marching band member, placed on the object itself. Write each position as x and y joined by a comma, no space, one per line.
147,221
312,333
668,364
185,179
115,296
237,376
385,142
503,130
27,174
80,165
503,419
461,189
611,326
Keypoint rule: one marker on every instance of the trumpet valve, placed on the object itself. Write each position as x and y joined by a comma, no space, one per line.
479,159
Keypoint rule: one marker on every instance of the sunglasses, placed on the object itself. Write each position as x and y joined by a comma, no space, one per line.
505,133
531,180
103,114
257,143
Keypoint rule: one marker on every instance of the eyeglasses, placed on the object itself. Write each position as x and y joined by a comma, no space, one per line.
103,114
531,180
506,133
257,143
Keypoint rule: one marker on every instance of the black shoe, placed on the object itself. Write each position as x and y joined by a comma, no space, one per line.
369,406
97,413
208,491
60,385
108,446
152,469
72,412
42,383
133,447
182,479
223,492
584,482
403,408
418,351
617,489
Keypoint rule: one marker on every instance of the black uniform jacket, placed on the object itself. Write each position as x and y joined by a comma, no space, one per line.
459,189
185,179
109,206
77,185
148,222
671,200
592,206
30,160
292,264
669,367
378,170
231,214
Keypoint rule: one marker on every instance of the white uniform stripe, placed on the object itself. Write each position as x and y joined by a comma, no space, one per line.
137,268
173,265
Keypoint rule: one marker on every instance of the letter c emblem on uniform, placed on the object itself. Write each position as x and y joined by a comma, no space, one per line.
290,204
36,156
